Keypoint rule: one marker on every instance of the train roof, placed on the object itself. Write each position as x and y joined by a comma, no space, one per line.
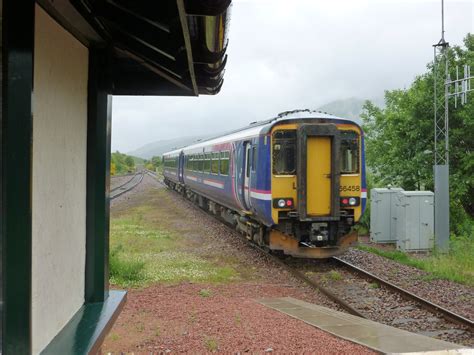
260,127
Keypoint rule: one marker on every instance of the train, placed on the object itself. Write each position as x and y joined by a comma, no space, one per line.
293,184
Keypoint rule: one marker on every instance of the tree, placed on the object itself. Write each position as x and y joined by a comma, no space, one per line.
399,138
129,162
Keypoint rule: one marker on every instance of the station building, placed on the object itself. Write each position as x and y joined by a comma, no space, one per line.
62,60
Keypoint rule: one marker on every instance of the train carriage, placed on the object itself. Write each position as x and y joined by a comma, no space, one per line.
294,183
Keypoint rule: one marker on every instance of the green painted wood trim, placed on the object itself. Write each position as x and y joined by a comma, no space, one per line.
87,329
98,178
17,86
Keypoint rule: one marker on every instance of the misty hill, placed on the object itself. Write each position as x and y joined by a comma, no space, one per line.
349,108
159,147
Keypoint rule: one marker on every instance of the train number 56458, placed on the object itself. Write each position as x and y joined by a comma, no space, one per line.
349,188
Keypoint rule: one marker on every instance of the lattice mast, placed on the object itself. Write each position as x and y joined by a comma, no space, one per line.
444,89
441,138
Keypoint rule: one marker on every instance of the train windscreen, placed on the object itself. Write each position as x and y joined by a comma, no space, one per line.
284,152
349,152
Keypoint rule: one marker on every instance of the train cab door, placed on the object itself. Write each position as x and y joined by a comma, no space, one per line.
318,171
318,176
246,180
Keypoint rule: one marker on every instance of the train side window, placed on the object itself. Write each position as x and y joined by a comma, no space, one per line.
254,158
199,163
349,152
284,152
224,163
207,163
193,163
215,163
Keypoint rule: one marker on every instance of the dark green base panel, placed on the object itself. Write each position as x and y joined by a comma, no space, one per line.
86,331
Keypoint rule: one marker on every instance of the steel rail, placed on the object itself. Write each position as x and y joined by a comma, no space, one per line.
313,284
121,175
430,306
125,183
131,187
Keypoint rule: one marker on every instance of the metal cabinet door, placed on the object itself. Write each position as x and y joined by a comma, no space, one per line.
426,222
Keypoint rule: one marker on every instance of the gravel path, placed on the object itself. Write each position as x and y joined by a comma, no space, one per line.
179,319
456,297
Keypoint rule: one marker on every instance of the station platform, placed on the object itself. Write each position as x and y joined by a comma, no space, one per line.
376,336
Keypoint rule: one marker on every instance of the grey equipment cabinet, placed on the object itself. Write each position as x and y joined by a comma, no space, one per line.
382,220
415,220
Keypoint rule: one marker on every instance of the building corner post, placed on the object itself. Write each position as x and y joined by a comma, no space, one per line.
99,117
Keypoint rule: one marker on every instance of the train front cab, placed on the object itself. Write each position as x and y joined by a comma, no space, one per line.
317,185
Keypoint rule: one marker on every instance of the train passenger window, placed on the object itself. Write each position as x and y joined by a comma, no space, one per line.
284,152
207,163
349,152
224,163
254,158
199,163
215,163
193,163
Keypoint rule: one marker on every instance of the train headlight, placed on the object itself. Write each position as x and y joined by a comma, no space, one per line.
283,203
350,201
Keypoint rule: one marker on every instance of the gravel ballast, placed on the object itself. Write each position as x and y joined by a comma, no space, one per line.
453,296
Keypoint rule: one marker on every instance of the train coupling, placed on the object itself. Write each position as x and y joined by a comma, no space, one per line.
319,233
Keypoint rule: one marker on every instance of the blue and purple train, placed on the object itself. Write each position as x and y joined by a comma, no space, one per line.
294,183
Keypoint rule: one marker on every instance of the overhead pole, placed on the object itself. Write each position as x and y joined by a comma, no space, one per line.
441,138
442,93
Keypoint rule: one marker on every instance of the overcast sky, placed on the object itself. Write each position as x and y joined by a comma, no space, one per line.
299,54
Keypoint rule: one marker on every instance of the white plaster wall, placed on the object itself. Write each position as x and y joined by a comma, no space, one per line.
59,178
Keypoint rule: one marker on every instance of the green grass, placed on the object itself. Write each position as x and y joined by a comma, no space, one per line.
205,293
457,265
142,253
334,275
211,344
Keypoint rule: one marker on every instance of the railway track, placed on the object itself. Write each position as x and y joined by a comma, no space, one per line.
127,186
410,312
381,301
430,306
366,295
